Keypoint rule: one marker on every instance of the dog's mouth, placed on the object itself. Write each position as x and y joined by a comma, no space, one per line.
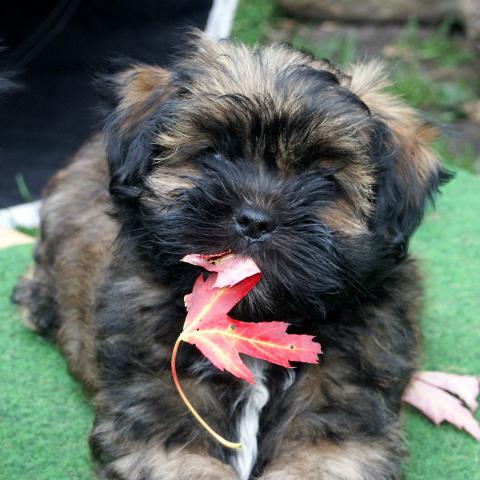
292,287
206,259
230,268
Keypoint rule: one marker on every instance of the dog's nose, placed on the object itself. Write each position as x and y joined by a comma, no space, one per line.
253,222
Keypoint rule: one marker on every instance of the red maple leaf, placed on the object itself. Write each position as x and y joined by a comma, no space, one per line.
221,338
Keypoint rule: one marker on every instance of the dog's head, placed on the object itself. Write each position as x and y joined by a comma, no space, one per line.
321,177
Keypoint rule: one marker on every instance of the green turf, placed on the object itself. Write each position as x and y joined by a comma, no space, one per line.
44,418
449,245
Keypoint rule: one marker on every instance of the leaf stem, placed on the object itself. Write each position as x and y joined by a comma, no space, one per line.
197,416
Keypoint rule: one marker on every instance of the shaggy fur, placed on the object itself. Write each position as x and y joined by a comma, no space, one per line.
343,171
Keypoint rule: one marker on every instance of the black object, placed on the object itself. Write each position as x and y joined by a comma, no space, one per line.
254,223
56,47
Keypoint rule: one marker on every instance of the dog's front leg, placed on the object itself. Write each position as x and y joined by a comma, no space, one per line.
143,431
326,460
151,459
154,462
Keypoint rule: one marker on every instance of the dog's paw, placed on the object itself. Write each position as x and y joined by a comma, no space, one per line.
36,305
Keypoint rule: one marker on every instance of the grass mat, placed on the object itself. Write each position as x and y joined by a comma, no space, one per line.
448,243
45,419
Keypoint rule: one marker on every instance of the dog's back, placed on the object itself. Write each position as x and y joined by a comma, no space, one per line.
70,258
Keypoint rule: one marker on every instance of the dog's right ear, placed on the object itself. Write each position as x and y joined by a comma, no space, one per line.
136,102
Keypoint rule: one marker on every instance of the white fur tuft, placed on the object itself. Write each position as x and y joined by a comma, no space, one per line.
256,396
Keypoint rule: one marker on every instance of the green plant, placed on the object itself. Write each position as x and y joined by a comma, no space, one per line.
340,49
23,188
33,232
439,46
418,88
466,160
254,19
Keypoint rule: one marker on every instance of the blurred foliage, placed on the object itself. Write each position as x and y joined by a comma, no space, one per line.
23,188
33,232
463,159
340,49
417,55
443,97
254,19
431,71
440,46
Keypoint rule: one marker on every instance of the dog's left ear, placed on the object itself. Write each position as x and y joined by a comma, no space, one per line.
136,99
409,172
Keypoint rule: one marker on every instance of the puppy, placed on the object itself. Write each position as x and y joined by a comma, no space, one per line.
321,177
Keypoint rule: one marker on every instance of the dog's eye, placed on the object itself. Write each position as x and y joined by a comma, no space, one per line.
210,159
209,153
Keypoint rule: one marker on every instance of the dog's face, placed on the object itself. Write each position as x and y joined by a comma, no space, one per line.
319,176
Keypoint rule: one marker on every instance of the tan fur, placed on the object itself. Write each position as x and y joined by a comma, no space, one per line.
136,85
79,213
328,461
180,464
139,81
369,81
165,180
342,218
226,69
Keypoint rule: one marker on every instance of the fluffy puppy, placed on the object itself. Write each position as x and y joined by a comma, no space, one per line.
321,177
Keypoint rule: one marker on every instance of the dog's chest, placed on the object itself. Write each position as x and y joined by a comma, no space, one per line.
249,406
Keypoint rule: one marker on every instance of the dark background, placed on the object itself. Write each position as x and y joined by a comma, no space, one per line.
55,48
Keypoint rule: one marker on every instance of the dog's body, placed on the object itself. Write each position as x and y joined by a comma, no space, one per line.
336,172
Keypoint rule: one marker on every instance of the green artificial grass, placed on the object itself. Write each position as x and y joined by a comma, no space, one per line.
448,243
45,418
